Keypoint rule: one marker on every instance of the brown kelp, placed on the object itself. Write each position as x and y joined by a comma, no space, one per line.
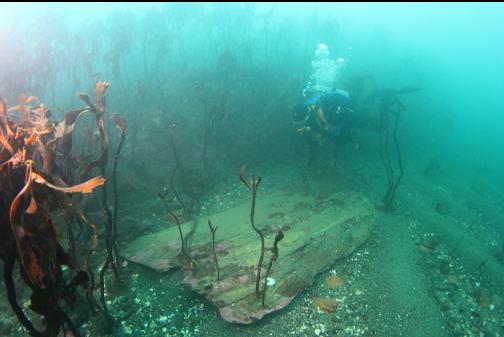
98,108
35,161
253,186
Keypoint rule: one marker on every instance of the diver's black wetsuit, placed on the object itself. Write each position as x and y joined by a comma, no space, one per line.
340,120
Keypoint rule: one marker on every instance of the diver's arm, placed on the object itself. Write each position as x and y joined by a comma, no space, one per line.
321,120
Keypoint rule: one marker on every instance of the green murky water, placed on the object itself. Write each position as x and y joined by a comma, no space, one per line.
376,129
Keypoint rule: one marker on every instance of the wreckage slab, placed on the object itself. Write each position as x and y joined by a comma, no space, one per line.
317,233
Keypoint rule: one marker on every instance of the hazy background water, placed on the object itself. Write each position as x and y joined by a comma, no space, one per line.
453,51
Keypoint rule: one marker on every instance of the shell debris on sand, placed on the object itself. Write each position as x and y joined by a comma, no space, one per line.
326,304
333,281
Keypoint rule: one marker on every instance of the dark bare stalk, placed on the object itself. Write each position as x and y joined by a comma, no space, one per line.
108,261
388,165
274,257
393,183
87,257
399,157
182,241
177,165
158,80
91,286
183,250
71,239
102,289
114,184
253,186
81,229
207,135
71,326
108,233
213,229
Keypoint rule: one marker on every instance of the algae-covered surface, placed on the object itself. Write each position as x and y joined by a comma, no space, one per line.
318,232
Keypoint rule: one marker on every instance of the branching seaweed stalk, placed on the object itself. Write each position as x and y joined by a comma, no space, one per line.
213,230
121,125
183,249
274,257
393,182
253,186
174,172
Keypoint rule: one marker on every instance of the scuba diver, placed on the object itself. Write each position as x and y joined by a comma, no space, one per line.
326,117
326,114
